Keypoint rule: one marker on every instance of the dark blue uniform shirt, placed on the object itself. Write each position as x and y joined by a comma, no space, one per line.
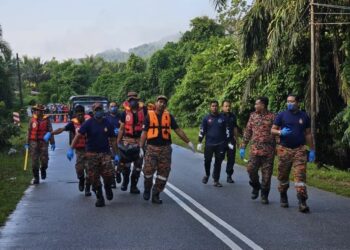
114,120
214,129
231,121
297,122
97,135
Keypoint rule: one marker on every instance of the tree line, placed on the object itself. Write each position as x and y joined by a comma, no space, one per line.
248,51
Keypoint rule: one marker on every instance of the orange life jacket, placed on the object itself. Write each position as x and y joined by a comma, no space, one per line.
38,128
154,125
130,127
82,140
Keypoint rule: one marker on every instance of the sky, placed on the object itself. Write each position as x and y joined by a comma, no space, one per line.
75,28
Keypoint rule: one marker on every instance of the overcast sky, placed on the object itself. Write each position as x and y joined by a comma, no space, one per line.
76,28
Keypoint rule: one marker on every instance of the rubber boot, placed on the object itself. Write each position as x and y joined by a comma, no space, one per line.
303,208
126,177
265,196
43,173
87,190
100,202
284,200
155,197
118,177
36,179
148,183
109,192
255,191
81,183
133,185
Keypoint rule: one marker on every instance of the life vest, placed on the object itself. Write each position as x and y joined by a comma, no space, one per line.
82,140
130,127
154,125
38,128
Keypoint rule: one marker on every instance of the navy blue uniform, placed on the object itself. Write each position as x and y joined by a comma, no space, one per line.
114,119
97,135
297,122
231,153
215,130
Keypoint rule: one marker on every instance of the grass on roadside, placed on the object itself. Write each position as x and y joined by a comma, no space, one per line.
332,180
13,179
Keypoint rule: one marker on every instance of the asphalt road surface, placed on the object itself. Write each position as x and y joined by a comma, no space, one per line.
55,215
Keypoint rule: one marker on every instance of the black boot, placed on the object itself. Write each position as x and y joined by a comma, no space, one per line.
87,190
264,196
155,197
118,177
113,184
255,191
35,179
43,173
133,185
126,176
229,179
147,194
81,183
109,192
100,202
303,208
284,200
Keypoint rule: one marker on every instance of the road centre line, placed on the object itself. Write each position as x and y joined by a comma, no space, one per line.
223,237
234,231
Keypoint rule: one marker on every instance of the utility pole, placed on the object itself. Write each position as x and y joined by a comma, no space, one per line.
19,81
312,77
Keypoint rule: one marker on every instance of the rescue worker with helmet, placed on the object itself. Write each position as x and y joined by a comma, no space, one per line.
39,125
100,135
80,166
131,121
157,132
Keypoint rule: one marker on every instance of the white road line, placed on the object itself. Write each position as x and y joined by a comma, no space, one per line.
223,237
216,218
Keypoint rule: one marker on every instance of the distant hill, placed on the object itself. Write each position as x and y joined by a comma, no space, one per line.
144,50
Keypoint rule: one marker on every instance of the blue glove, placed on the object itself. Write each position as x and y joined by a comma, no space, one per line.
285,131
53,147
47,136
26,146
116,131
70,154
312,155
242,153
116,159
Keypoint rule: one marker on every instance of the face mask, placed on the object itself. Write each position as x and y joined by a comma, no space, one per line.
134,104
113,110
290,106
98,114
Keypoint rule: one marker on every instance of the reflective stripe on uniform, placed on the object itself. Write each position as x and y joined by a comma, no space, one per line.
148,176
300,184
161,178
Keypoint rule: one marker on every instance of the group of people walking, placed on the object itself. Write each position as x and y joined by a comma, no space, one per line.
118,146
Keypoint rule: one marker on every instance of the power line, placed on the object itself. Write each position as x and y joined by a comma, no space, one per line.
344,23
332,6
332,13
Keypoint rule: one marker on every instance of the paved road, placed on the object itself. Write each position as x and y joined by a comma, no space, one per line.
55,215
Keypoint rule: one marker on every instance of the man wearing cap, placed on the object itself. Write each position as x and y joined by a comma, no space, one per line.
39,125
131,121
80,165
157,131
113,117
100,135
